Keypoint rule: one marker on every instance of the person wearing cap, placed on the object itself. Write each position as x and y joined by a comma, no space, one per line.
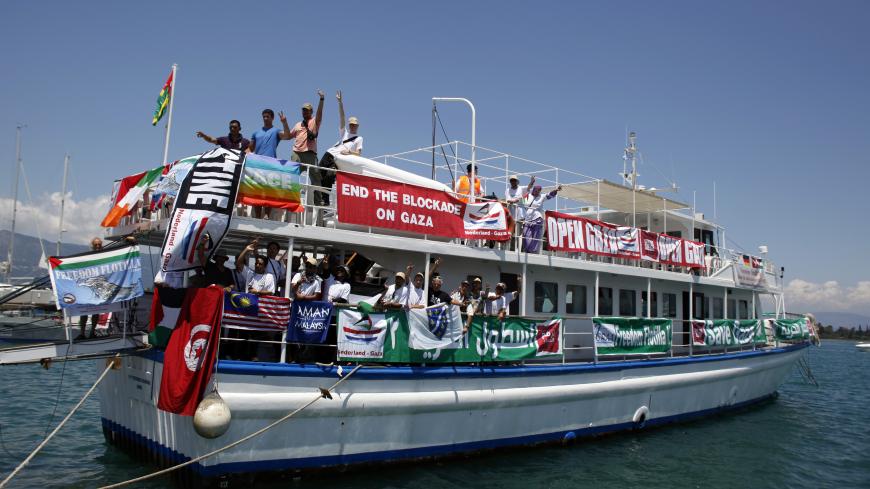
533,224
463,185
349,142
396,295
307,286
260,281
514,199
416,299
305,146
497,304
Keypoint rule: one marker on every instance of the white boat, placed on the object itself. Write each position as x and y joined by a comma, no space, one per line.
388,413
863,346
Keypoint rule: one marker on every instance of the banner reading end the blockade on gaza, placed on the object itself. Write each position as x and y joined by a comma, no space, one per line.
790,329
727,332
581,235
390,338
96,281
369,201
629,336
203,209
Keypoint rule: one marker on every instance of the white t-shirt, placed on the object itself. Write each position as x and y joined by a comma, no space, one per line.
517,209
399,295
415,296
354,146
264,282
308,287
336,289
534,204
493,306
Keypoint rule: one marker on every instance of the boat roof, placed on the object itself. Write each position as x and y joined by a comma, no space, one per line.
618,197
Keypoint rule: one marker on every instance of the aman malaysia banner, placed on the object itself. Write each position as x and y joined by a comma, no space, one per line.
581,235
382,203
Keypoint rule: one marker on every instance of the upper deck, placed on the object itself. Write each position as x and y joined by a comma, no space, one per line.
584,196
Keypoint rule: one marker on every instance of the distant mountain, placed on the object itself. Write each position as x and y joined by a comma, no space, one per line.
28,252
842,319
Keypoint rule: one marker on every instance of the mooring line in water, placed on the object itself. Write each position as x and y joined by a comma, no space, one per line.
36,450
324,393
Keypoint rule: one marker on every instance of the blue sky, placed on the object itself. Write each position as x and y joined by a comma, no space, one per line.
769,99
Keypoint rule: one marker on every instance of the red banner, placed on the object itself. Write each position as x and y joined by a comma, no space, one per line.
581,235
191,352
369,201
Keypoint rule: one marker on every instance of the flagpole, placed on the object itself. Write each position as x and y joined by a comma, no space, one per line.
169,118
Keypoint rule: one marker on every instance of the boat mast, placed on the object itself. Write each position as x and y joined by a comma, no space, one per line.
473,136
62,202
14,199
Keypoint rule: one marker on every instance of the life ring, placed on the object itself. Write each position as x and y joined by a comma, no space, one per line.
640,417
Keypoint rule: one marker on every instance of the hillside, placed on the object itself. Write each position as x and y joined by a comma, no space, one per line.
28,252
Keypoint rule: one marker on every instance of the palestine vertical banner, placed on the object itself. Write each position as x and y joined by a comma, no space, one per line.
203,208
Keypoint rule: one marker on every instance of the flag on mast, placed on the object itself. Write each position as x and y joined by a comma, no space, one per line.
163,100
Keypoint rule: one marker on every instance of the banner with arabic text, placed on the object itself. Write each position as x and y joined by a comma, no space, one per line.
790,329
630,336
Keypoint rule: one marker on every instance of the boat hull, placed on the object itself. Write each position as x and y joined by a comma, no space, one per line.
398,413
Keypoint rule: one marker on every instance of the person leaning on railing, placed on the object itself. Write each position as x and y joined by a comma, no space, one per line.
497,304
463,185
233,140
307,285
259,282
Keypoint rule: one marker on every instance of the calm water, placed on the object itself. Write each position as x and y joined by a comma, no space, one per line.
808,437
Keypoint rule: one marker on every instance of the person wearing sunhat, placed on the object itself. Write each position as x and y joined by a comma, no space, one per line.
396,295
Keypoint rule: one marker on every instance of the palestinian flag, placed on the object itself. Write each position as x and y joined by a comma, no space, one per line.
165,308
163,100
130,191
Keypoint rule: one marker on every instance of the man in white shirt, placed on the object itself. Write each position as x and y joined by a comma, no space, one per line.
396,295
350,142
497,304
514,198
307,285
259,281
337,286
533,227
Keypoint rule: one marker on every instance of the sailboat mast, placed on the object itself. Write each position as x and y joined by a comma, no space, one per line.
62,202
14,199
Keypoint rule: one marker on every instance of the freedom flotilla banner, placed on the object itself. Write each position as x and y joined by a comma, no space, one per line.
203,208
387,337
628,336
581,235
369,201
96,281
727,332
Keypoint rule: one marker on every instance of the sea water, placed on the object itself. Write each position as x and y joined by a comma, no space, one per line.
808,437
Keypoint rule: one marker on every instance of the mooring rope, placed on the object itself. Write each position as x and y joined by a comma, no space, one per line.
68,416
323,393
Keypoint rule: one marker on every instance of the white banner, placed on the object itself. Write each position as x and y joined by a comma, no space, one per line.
435,327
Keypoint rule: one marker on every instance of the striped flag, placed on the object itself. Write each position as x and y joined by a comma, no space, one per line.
131,190
163,100
249,311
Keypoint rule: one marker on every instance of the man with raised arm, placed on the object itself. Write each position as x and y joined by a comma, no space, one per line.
305,146
533,227
265,142
233,140
497,304
259,282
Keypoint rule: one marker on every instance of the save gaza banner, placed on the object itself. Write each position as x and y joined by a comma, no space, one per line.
96,281
790,329
581,235
271,182
415,336
628,336
727,332
203,209
369,201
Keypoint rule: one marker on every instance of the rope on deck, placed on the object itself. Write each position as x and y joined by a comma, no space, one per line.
323,393
36,450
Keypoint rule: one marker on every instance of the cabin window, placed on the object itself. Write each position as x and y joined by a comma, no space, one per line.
653,307
732,308
546,297
605,301
575,299
627,302
744,310
718,312
669,305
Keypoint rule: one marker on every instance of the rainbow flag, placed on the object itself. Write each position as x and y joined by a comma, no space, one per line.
163,100
131,190
272,183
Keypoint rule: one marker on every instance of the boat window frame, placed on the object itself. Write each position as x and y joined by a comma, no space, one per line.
540,296
583,296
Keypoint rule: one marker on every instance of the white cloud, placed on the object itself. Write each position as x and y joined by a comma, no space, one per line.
828,296
81,217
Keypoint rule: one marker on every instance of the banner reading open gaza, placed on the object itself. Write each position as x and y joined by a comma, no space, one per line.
203,208
369,201
578,234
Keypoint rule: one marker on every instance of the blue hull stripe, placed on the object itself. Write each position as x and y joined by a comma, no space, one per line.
411,453
453,371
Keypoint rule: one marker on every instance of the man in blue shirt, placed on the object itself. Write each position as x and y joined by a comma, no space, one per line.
265,142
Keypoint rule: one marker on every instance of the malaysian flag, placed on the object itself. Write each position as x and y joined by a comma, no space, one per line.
249,311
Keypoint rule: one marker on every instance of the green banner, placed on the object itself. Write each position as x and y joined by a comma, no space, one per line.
627,336
790,329
388,337
727,332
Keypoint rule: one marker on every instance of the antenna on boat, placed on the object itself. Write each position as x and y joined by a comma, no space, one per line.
630,155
